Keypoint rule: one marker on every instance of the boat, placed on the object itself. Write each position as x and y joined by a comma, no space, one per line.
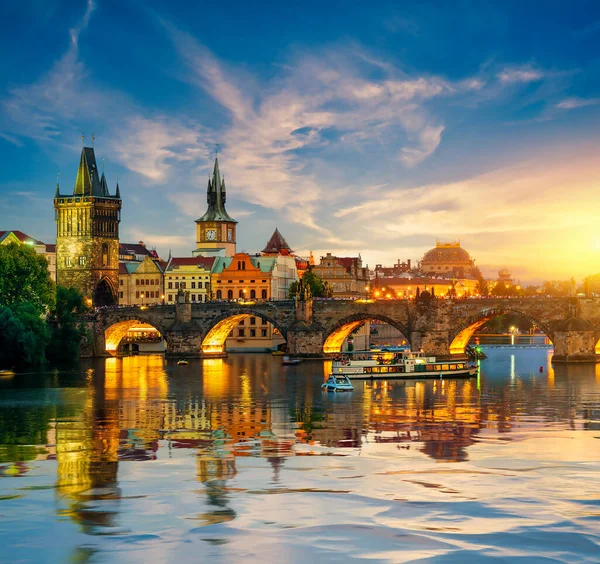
6,373
182,362
277,353
406,364
290,361
336,383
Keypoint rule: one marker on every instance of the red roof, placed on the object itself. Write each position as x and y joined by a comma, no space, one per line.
277,245
348,262
50,248
134,248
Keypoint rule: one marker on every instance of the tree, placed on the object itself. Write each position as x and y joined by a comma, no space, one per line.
483,288
24,336
24,278
317,287
66,331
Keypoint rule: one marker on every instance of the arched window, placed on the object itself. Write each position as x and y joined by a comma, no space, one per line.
241,293
264,294
239,265
219,295
230,294
105,256
253,294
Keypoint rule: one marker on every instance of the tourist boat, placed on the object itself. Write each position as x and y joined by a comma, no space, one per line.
277,353
406,364
336,383
290,361
6,373
182,362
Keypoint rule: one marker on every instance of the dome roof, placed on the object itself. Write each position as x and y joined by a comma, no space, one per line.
447,253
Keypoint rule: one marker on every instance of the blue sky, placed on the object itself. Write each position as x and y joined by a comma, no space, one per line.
352,126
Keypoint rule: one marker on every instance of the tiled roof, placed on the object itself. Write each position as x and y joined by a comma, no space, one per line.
201,262
277,244
134,249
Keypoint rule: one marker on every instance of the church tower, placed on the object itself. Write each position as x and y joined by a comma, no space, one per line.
215,230
87,235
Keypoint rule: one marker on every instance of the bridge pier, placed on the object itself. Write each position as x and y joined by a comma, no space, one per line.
305,340
184,342
575,341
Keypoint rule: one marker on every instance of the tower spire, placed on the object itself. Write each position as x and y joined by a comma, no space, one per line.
57,194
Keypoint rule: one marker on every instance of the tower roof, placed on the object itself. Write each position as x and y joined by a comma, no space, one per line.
277,245
216,197
88,182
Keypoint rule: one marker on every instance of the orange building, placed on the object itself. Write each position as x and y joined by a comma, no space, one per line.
242,277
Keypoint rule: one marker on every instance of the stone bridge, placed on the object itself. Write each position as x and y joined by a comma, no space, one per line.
318,327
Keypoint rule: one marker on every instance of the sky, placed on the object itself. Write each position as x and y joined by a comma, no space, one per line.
354,127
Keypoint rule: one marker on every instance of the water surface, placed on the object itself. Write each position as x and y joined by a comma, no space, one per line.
139,459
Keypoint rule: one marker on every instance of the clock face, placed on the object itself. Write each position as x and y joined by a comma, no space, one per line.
230,234
211,234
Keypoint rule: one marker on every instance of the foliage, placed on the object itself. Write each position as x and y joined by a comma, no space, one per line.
503,323
66,331
318,288
483,288
24,278
24,336
558,288
505,290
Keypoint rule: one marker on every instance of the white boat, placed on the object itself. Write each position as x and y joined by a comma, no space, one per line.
338,384
290,361
406,364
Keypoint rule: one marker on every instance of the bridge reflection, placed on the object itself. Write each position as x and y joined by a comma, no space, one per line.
144,408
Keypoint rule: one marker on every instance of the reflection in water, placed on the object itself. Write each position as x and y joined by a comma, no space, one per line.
99,425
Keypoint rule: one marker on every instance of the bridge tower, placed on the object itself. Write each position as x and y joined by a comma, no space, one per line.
87,234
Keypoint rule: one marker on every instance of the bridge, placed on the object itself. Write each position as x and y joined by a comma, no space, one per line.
316,328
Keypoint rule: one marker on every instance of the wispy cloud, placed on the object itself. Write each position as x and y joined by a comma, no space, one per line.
520,74
574,103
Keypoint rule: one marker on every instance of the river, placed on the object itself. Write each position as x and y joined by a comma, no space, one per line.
138,459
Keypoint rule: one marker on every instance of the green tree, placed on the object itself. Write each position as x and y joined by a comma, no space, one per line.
24,336
317,287
24,278
66,330
483,288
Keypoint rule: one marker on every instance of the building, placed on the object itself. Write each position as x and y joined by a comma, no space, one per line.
87,234
191,275
448,259
396,270
141,283
345,275
407,287
284,272
216,230
242,277
49,251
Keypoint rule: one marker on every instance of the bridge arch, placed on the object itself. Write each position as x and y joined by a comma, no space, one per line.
341,330
461,335
213,342
116,330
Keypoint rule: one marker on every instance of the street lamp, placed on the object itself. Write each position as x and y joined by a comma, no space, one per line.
163,299
142,295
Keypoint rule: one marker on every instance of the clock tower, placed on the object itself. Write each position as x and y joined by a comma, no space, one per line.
215,230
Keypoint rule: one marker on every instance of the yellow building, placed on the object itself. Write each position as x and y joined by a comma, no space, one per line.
406,288
141,283
190,274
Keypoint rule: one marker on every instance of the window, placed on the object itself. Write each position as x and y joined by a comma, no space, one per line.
253,294
120,295
264,281
264,294
242,322
253,321
182,285
252,281
230,294
241,333
68,261
177,285
241,281
229,281
193,297
147,282
263,332
81,261
120,281
193,285
264,322
137,295
170,297
170,285
241,293
219,295
253,332
142,282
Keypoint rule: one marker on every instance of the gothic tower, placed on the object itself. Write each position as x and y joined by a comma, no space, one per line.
87,235
215,230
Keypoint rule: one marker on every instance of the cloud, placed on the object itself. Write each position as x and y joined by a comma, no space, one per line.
520,74
574,103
